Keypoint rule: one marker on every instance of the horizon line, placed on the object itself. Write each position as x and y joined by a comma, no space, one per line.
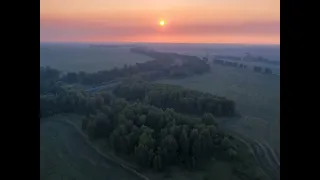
75,42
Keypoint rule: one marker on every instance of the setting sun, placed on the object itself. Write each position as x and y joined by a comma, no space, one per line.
162,23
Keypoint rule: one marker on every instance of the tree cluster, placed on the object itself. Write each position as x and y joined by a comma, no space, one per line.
233,58
170,96
159,138
48,80
165,65
155,137
257,69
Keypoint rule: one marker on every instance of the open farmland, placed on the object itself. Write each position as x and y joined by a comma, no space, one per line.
257,97
85,58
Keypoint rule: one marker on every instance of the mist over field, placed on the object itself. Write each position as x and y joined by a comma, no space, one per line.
82,57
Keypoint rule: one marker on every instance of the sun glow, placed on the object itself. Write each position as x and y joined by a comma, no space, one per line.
162,22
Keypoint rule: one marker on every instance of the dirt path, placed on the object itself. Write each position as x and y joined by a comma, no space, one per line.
263,155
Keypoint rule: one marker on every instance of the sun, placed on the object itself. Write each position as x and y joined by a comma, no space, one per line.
162,22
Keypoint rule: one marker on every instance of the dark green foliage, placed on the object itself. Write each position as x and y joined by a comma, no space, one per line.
48,81
157,162
156,138
147,130
209,119
182,100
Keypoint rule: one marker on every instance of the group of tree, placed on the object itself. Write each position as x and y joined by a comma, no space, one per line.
259,69
229,63
163,66
48,80
233,58
251,58
156,138
171,96
159,138
242,66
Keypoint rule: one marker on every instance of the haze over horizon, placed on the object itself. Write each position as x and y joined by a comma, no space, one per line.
203,21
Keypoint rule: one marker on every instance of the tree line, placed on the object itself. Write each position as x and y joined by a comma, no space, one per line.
164,65
171,96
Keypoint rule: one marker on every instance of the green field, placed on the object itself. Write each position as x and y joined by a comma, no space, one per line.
85,58
257,97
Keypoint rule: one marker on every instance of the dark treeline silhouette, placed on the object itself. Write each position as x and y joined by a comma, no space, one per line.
257,69
261,60
165,65
248,58
176,97
234,58
229,63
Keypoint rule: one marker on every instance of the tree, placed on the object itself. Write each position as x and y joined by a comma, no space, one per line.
142,120
208,119
141,154
184,144
157,162
232,153
170,145
206,142
147,139
226,143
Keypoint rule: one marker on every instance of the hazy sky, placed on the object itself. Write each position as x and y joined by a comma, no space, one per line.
208,21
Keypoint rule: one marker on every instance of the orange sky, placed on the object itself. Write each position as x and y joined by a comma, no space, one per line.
198,21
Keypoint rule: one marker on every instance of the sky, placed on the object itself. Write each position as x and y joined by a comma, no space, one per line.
186,21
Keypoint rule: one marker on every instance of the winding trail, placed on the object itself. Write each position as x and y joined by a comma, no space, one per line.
263,154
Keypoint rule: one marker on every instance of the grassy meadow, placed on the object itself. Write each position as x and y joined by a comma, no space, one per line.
257,97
